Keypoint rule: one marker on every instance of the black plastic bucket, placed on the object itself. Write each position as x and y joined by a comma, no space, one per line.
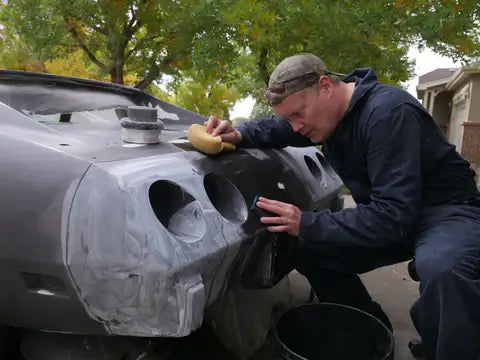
331,332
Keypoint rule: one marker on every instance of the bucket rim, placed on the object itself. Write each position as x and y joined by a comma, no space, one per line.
277,337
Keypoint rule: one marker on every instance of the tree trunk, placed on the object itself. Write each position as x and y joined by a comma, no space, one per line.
116,73
152,74
262,65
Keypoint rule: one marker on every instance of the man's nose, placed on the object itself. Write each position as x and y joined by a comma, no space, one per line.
296,125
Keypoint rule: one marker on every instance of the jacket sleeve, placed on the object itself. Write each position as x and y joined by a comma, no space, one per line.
272,132
393,152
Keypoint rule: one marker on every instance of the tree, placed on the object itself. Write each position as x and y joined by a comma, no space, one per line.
205,95
76,65
449,27
16,54
345,34
71,65
232,46
239,120
140,37
261,109
348,34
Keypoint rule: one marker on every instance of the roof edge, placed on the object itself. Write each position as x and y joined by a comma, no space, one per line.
426,85
460,74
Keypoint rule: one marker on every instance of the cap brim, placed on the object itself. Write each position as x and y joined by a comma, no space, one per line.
337,74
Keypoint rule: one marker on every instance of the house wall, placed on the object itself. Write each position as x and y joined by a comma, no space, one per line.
471,141
458,114
474,109
471,128
460,108
441,109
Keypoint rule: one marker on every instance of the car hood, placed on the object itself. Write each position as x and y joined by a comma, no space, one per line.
104,145
35,103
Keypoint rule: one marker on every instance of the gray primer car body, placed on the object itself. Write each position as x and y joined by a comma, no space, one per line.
105,237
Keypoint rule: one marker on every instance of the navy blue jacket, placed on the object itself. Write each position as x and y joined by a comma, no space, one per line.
392,156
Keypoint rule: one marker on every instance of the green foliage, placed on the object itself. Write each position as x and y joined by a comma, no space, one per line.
449,27
220,50
16,54
261,109
144,38
159,93
349,34
70,65
205,95
239,120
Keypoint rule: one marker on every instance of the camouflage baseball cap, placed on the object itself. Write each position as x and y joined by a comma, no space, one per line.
295,73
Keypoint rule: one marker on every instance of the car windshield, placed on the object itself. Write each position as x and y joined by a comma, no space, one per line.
56,102
96,117
47,103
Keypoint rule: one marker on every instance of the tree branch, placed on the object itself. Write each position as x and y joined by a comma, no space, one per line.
130,29
87,51
148,79
99,29
136,26
262,65
140,43
128,26
133,24
132,10
87,19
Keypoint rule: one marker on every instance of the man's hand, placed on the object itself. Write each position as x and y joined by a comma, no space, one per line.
224,129
288,219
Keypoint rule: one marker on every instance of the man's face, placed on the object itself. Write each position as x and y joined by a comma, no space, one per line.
311,112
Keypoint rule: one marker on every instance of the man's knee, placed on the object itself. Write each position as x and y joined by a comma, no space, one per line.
434,265
430,266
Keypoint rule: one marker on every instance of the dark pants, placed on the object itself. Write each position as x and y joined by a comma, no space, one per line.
446,245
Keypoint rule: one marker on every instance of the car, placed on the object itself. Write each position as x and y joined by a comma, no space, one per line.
107,237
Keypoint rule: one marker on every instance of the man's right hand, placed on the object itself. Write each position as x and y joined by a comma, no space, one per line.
224,129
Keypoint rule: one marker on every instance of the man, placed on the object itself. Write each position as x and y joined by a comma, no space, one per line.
415,195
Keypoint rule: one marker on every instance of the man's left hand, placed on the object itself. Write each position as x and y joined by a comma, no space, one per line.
288,219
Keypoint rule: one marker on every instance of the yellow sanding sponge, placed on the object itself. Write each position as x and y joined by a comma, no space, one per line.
206,143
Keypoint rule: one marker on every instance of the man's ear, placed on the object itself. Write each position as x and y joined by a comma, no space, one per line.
325,84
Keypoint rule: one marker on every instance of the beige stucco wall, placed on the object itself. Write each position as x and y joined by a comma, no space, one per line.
460,110
474,109
441,108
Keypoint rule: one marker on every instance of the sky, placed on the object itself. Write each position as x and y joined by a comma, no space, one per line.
426,61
